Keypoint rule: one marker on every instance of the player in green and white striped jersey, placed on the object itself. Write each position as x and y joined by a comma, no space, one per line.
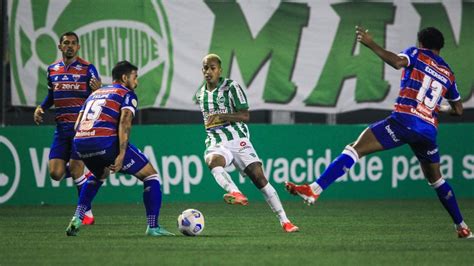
225,107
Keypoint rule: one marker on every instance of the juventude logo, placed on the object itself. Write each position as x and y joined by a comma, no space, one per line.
9,170
137,31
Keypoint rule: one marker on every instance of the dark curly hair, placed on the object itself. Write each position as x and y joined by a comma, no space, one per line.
122,68
431,38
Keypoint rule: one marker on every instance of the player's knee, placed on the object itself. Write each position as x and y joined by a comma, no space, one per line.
56,175
214,161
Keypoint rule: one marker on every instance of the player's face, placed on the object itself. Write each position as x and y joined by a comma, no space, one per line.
131,81
211,70
69,46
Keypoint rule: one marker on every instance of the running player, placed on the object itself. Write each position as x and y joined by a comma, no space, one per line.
70,81
426,80
225,110
102,142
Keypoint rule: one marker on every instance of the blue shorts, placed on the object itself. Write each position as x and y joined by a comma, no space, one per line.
97,160
391,134
63,147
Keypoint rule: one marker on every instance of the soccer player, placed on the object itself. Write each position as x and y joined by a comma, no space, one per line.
225,110
70,81
426,80
102,142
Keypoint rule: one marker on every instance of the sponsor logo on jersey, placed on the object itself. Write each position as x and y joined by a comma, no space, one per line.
70,86
243,143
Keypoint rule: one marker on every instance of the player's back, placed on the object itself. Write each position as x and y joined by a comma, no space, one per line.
101,114
425,82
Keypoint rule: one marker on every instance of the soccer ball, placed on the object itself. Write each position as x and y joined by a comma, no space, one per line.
191,222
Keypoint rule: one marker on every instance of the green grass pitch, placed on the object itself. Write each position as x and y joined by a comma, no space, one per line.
408,232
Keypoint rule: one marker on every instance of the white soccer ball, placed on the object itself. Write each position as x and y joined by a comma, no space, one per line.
191,222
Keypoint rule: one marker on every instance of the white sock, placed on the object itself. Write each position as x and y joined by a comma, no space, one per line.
80,181
461,225
317,189
89,213
223,179
273,200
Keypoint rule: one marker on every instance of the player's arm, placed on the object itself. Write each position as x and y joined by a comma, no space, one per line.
364,37
47,103
239,116
124,127
455,108
94,79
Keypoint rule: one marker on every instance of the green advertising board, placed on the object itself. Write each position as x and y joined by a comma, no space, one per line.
297,153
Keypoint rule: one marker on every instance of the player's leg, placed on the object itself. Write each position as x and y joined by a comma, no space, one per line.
216,159
59,155
427,154
57,168
255,172
76,168
378,136
137,164
98,166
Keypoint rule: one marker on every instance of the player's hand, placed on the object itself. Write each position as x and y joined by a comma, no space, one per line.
38,115
363,36
118,164
95,84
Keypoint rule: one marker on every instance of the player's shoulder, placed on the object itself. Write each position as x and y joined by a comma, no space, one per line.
82,61
411,51
228,84
56,65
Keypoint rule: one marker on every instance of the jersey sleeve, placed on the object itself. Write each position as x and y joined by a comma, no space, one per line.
452,94
238,97
92,72
130,102
410,54
48,101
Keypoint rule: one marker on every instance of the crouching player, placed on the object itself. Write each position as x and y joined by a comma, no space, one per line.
102,135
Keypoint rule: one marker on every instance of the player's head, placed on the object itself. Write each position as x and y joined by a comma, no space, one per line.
211,68
431,38
69,45
126,74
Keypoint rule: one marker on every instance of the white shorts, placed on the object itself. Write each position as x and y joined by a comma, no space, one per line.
239,152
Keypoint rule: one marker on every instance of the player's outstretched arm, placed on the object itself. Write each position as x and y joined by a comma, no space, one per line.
124,128
240,116
364,37
455,108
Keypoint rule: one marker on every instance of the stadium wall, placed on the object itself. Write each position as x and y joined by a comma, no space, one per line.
297,153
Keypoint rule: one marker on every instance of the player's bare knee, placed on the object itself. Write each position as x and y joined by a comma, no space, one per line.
56,175
214,161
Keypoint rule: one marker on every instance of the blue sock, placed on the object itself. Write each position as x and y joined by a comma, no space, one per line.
447,198
152,199
338,167
88,192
